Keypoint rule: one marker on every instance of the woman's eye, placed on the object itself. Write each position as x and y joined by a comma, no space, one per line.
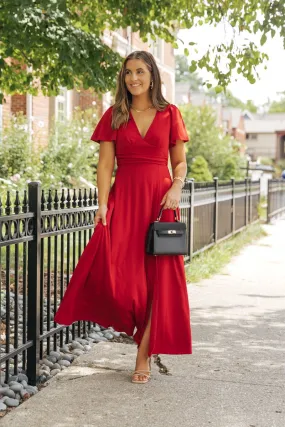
139,72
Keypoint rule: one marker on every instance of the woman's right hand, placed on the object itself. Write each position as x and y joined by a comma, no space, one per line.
101,215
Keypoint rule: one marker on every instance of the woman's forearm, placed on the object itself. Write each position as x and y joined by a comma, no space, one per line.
104,177
180,170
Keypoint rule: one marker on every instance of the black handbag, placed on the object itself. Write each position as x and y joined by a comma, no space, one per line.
166,238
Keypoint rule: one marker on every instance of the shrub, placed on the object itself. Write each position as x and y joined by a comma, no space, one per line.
208,140
279,168
229,170
69,159
19,161
199,170
266,161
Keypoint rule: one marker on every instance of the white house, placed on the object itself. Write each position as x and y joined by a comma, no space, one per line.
265,135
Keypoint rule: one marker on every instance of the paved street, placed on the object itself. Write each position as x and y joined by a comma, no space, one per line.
235,377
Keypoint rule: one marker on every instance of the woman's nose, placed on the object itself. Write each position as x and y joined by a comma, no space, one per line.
134,77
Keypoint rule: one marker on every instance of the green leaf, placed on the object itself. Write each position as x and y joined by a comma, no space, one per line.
218,89
42,29
263,39
193,67
251,79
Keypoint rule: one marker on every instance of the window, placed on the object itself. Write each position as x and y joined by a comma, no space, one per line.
251,136
225,124
156,48
123,32
61,105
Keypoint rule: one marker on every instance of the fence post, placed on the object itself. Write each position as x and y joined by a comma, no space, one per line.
268,200
233,207
191,220
246,200
250,200
216,224
283,193
34,253
279,206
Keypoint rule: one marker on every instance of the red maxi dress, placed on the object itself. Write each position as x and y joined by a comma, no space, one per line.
115,283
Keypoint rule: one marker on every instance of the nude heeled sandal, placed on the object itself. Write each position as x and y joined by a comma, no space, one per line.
143,373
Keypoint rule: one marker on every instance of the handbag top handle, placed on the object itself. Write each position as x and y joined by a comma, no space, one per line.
160,214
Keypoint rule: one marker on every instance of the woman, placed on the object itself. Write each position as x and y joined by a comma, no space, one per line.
115,282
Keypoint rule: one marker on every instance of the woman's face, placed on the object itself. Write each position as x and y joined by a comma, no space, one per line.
137,77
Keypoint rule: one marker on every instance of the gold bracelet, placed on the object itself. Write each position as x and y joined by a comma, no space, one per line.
180,179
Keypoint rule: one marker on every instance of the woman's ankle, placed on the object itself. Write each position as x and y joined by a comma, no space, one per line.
142,358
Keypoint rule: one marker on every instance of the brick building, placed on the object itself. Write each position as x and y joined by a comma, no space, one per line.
41,110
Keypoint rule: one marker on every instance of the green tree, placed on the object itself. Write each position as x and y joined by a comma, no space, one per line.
278,106
232,101
250,106
182,73
16,151
199,170
69,159
50,38
229,100
230,170
207,140
61,40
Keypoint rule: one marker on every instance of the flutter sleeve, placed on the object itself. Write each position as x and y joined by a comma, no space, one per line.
103,130
177,127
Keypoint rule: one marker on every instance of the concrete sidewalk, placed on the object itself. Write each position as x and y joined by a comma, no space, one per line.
235,377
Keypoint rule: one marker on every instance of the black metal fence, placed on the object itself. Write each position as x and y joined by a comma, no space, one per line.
42,239
275,198
40,243
215,211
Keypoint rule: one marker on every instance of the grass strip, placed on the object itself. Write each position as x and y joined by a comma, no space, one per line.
210,262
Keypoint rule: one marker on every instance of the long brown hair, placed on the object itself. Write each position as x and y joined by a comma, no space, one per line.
123,98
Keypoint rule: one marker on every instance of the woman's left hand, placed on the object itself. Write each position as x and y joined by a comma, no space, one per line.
172,198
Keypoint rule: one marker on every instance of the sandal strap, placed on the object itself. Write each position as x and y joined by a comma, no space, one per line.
141,372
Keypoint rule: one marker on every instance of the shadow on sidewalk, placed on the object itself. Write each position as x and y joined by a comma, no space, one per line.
236,340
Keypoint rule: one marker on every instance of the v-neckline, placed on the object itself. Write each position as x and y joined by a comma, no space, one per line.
136,126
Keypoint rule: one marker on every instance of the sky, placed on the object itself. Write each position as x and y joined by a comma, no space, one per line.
271,80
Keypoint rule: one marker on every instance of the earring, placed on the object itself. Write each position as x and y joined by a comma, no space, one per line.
151,85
